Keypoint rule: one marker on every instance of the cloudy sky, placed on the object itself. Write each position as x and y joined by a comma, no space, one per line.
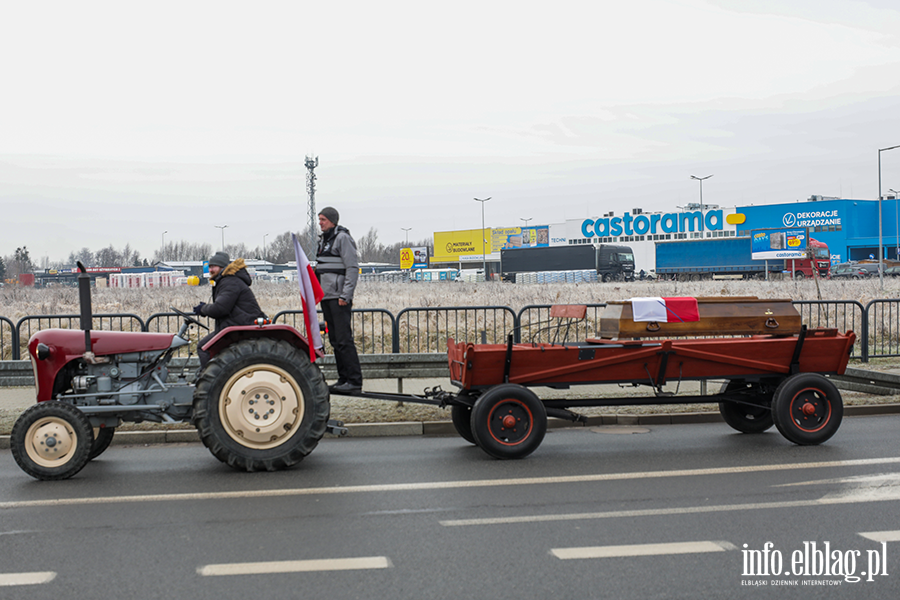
121,120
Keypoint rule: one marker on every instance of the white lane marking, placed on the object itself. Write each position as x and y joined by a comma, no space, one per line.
687,510
641,550
445,485
296,566
882,536
11,579
879,478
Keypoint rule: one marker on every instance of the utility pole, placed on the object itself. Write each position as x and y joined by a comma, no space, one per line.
483,255
701,180
222,227
311,164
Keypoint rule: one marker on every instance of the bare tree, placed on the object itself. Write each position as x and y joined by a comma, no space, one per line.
368,246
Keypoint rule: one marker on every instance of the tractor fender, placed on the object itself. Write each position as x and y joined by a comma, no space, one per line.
230,335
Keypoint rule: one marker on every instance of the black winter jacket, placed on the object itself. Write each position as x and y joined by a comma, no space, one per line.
233,302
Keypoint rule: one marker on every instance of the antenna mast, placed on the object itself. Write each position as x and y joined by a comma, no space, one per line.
311,164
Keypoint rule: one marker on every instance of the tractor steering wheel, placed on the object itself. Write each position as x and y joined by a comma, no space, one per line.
188,318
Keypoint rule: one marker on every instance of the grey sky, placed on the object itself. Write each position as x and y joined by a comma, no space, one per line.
121,120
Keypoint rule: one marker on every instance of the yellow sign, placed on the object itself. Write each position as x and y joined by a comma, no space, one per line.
451,246
406,258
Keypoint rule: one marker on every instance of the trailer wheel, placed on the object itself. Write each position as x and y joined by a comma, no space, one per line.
754,416
509,421
102,439
260,404
462,421
807,409
52,440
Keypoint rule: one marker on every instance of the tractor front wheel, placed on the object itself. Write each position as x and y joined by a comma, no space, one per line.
261,405
52,440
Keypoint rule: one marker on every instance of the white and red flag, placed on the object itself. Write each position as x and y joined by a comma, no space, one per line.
665,310
311,293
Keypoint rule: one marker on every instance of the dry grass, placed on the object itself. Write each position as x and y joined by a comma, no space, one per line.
16,303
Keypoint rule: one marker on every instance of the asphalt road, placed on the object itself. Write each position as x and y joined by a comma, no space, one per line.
657,512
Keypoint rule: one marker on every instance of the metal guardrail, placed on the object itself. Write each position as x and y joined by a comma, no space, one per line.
373,328
427,329
842,315
36,323
9,340
534,319
374,366
881,329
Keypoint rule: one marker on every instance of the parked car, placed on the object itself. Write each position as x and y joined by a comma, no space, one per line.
892,271
850,271
871,268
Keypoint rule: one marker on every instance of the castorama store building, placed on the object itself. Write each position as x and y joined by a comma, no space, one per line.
850,228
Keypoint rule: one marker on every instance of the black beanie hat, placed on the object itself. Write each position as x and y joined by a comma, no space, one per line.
219,259
331,214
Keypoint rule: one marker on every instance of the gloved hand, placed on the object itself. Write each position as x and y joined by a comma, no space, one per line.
198,308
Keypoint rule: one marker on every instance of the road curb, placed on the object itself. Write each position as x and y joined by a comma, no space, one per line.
413,428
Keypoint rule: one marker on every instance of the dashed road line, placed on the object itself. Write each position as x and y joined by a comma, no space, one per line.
881,536
36,578
684,510
641,550
445,485
296,566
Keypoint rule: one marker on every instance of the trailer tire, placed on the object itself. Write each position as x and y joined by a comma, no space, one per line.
461,415
509,421
52,440
747,417
807,409
246,384
103,437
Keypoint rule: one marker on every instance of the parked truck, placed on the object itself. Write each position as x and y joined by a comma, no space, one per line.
730,257
610,262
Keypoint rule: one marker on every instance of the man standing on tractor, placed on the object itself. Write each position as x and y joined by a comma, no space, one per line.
337,267
233,302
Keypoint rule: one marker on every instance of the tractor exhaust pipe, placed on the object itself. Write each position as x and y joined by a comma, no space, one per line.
84,297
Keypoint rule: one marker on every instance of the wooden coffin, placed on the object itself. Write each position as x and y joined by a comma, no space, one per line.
737,315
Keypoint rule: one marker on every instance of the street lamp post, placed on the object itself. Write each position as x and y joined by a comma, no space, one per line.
222,227
162,251
264,245
483,254
407,230
880,233
700,179
897,213
526,220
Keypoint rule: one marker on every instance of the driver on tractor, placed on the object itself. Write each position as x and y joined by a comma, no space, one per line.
232,301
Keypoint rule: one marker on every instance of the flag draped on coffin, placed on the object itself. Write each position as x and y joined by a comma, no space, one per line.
311,293
665,310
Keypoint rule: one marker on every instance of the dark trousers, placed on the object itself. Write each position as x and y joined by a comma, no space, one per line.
340,333
203,355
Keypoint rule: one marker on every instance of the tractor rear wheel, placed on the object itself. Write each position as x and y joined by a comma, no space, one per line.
261,405
52,440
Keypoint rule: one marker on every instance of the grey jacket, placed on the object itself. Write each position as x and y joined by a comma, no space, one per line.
336,244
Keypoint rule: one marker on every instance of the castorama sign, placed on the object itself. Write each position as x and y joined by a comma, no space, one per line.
641,224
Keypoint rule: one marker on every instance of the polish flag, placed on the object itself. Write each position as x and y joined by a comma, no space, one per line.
311,293
665,310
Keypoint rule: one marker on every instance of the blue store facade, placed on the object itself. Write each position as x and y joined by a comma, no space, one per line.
849,227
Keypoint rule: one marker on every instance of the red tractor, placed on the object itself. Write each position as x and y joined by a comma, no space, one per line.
260,403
